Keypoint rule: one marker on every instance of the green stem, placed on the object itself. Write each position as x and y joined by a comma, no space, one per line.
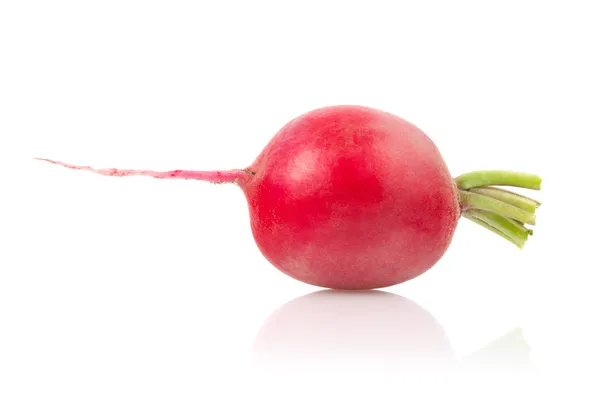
498,210
509,197
498,178
470,200
469,216
512,230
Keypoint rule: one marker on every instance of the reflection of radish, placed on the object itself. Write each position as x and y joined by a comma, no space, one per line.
351,197
371,330
374,330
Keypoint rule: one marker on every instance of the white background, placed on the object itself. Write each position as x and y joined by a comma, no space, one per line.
143,293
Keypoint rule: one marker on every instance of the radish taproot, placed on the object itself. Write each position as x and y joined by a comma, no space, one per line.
352,197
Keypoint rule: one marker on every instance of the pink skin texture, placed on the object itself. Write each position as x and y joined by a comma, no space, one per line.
349,197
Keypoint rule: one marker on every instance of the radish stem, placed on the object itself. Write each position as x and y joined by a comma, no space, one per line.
516,241
509,197
514,230
472,200
498,178
499,210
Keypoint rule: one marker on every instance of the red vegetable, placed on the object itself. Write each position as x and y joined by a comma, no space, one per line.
351,197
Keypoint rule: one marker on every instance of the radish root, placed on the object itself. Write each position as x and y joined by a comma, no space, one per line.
217,176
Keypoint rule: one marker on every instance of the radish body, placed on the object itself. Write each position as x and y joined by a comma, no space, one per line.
351,197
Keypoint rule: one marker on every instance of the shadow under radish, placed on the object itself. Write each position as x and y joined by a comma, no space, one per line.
332,330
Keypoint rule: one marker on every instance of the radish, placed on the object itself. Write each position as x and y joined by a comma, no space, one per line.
351,197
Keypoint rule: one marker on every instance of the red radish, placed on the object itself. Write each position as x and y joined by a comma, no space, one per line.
351,197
